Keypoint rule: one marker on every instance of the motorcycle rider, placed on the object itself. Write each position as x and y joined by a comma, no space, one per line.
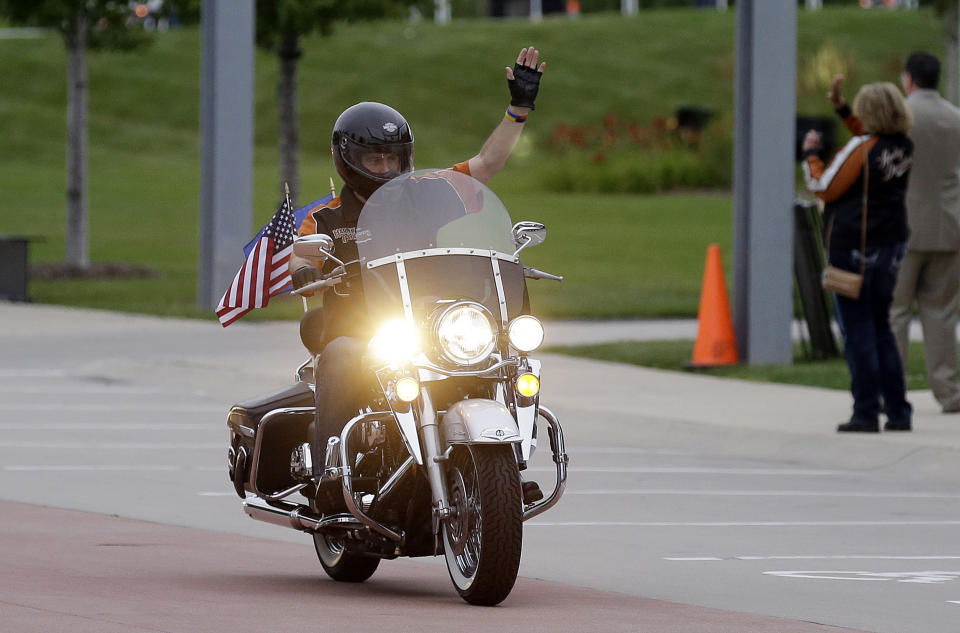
371,144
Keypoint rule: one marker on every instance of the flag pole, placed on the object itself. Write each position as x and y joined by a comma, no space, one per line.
286,196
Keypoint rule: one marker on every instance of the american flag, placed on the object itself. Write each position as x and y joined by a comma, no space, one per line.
265,272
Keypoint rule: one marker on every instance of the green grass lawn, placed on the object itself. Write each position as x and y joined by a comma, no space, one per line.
671,355
622,255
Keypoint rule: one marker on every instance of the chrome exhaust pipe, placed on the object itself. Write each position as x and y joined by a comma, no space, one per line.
296,516
282,513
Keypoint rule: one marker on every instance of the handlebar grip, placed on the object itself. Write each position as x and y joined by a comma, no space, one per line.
533,273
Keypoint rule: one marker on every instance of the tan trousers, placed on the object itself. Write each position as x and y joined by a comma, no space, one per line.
932,280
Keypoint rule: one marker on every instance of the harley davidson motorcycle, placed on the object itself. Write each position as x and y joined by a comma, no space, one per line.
432,464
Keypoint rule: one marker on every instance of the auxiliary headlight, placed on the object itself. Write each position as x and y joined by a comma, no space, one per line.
407,389
396,341
526,333
466,334
528,385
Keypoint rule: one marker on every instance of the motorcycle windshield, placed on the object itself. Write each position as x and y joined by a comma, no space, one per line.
437,235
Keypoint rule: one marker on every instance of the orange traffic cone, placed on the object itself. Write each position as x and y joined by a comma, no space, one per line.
716,342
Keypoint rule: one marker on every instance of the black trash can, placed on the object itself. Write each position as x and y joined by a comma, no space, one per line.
693,118
825,126
14,270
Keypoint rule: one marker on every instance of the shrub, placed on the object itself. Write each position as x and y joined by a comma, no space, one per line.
626,157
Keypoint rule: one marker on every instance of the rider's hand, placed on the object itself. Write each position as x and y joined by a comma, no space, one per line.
835,96
524,78
305,275
811,141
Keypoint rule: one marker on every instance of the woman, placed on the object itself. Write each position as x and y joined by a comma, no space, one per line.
880,121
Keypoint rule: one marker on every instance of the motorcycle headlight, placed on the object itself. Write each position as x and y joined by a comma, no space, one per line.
466,334
396,341
526,333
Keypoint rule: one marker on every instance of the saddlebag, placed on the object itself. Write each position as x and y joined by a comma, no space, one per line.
261,442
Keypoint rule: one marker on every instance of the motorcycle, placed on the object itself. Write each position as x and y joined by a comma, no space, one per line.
432,464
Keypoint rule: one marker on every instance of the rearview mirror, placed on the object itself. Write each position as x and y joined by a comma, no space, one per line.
528,234
316,246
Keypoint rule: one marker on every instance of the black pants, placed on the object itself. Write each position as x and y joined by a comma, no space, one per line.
339,394
876,373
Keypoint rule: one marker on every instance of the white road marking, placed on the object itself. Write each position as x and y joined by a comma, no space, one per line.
113,445
115,408
693,470
144,426
917,577
737,523
813,557
765,493
93,389
105,467
618,450
98,467
32,373
217,494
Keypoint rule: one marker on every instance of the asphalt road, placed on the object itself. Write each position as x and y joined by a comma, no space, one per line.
695,500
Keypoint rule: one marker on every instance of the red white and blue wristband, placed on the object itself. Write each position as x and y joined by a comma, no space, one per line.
516,118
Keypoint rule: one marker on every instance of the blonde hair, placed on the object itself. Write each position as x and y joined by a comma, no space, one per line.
882,109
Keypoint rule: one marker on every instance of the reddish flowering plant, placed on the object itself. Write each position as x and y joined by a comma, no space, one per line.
662,133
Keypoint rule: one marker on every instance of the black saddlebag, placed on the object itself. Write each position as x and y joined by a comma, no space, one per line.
261,444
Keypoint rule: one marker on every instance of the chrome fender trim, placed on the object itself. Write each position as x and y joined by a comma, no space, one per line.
479,421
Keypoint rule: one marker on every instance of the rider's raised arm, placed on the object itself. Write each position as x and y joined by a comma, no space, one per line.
524,82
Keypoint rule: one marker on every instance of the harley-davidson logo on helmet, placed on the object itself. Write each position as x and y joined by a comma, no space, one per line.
389,127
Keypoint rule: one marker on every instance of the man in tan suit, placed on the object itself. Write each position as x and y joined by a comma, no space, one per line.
930,273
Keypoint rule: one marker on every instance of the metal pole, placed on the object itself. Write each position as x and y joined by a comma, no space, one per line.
226,124
628,7
764,179
536,10
441,11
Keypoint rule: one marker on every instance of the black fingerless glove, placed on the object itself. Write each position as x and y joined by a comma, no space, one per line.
305,275
524,86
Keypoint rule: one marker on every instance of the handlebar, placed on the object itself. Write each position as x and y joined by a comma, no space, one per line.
533,273
313,286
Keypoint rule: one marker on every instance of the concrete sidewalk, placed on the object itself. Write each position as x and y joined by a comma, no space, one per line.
227,364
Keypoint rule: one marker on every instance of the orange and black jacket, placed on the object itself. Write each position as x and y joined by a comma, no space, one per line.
840,186
344,311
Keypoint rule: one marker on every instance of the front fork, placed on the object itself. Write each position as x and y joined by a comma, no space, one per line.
433,458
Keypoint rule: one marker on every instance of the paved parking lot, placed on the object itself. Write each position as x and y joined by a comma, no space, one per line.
682,488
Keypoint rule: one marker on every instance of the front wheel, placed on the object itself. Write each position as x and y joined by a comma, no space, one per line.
482,538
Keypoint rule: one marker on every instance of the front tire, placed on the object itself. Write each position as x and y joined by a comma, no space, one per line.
483,537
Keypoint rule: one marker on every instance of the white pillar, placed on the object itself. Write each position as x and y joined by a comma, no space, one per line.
536,10
764,179
226,132
441,11
628,7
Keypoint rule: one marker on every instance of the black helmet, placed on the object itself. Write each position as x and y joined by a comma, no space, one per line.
371,128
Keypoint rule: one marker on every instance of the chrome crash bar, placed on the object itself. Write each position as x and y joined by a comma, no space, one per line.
559,458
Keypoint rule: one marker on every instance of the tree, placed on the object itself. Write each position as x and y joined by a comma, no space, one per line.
83,24
280,26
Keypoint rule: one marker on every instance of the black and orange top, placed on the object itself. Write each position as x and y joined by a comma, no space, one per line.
840,186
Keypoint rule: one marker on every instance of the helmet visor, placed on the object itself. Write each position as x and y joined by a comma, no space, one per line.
380,162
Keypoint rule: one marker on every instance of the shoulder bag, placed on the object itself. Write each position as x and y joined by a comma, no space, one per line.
845,282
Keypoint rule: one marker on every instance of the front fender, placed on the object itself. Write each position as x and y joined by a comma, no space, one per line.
479,421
